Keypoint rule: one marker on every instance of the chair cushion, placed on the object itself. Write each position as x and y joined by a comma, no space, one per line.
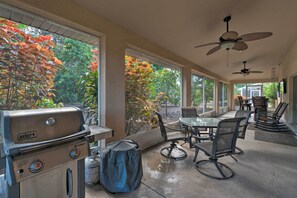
175,135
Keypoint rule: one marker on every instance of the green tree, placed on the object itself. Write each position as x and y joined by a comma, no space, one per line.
237,89
76,57
167,81
197,90
270,91
208,94
139,108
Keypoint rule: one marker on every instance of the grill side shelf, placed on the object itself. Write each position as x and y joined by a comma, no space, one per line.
99,133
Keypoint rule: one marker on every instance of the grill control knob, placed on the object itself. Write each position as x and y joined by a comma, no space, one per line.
74,153
36,166
20,171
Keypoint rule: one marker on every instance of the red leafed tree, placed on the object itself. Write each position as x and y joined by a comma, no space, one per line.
94,64
27,67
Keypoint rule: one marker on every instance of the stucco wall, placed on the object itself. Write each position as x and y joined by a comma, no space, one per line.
288,71
114,40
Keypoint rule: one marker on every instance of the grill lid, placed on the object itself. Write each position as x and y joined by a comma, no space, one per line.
31,129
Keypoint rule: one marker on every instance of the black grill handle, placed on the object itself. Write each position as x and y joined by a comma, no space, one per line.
69,183
12,149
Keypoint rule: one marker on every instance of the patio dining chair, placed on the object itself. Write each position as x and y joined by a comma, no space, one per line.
172,135
191,112
243,103
222,145
243,125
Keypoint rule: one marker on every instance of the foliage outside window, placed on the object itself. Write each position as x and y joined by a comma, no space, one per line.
202,93
226,95
167,81
28,67
42,70
150,87
268,90
197,92
209,94
223,97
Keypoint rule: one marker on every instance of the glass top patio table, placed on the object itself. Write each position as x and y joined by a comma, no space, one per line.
200,122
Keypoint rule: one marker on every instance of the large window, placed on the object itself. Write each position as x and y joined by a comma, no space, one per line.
41,69
223,98
151,84
202,93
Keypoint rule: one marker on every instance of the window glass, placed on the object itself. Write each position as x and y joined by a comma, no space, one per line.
209,94
270,91
202,93
223,98
197,92
247,91
150,86
40,69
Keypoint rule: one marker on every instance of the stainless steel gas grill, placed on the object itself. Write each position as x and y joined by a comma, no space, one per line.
44,153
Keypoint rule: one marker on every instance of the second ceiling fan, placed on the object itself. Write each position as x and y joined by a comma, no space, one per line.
246,71
232,40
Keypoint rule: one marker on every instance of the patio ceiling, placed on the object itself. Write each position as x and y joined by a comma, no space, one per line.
26,18
179,25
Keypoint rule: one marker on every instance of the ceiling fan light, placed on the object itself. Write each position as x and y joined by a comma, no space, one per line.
227,45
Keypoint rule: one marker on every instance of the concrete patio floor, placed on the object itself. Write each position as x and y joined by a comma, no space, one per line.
264,170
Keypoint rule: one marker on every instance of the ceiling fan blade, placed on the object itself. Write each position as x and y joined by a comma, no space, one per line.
231,35
213,50
240,46
254,36
213,43
256,72
237,73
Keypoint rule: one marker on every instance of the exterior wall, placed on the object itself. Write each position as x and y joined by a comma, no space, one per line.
115,39
288,71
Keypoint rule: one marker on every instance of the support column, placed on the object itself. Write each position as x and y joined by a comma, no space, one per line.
113,100
186,89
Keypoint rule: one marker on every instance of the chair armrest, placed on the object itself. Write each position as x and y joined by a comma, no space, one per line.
204,138
172,129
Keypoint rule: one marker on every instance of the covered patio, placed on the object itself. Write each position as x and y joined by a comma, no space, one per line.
159,42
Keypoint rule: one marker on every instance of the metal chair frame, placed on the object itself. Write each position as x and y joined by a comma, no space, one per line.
217,151
180,135
242,126
191,112
242,104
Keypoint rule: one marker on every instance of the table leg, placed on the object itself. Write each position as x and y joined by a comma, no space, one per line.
196,132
